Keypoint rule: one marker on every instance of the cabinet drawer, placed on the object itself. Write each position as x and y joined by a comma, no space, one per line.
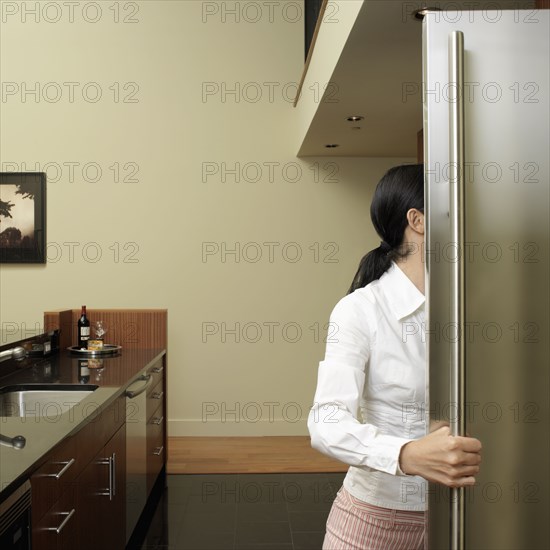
101,498
156,421
155,397
52,478
57,530
157,372
155,427
155,453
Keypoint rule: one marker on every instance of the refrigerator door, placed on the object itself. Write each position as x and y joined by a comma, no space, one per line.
506,264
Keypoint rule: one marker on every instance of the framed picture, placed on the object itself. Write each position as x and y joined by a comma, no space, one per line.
23,217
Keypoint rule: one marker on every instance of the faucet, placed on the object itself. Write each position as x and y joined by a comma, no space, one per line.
17,353
17,442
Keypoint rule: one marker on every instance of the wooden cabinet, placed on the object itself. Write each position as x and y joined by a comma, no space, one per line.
58,528
54,477
101,497
53,486
78,493
145,447
156,431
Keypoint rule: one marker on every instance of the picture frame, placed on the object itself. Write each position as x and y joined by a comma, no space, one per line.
23,217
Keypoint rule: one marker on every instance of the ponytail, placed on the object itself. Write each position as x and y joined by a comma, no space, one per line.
371,267
399,190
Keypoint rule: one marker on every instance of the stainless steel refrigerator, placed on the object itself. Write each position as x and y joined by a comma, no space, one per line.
486,154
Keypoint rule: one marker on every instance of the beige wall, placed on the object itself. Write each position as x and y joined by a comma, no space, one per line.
162,221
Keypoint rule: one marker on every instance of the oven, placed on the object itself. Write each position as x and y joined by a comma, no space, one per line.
15,519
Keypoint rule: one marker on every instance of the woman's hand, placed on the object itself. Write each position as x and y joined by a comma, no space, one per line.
442,458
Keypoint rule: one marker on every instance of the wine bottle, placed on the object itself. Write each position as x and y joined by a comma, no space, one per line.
83,326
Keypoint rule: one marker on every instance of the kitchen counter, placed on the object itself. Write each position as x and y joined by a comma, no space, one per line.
43,433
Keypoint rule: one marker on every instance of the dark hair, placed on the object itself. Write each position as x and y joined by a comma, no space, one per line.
400,189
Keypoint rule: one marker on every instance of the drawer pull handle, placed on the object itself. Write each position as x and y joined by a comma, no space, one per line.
158,395
157,370
63,470
158,451
68,515
110,461
113,473
157,421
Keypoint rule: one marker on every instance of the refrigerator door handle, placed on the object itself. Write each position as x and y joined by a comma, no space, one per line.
457,217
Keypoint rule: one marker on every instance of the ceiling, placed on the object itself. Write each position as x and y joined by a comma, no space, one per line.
378,76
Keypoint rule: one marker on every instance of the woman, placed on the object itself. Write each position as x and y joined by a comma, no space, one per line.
375,369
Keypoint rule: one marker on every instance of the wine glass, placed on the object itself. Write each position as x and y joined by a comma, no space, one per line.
99,330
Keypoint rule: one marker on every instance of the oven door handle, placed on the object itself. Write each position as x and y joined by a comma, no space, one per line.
134,393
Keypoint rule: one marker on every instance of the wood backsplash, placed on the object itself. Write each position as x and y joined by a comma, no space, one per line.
129,328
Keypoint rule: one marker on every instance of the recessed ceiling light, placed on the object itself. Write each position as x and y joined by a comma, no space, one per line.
332,145
355,118
422,12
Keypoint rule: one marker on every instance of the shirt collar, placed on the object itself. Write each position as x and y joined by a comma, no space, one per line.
403,296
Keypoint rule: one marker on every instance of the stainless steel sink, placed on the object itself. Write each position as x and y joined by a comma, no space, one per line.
42,400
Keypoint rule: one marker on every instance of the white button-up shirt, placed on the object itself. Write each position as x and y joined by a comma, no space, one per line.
371,390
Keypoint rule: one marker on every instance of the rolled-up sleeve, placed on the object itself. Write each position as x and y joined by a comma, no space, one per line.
333,422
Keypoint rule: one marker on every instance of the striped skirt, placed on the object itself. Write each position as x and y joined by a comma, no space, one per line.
355,525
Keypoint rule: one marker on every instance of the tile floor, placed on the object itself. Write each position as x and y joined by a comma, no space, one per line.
243,512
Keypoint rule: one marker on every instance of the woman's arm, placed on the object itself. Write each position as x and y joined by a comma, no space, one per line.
333,424
335,429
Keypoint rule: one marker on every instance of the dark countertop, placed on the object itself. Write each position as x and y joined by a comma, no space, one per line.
43,433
